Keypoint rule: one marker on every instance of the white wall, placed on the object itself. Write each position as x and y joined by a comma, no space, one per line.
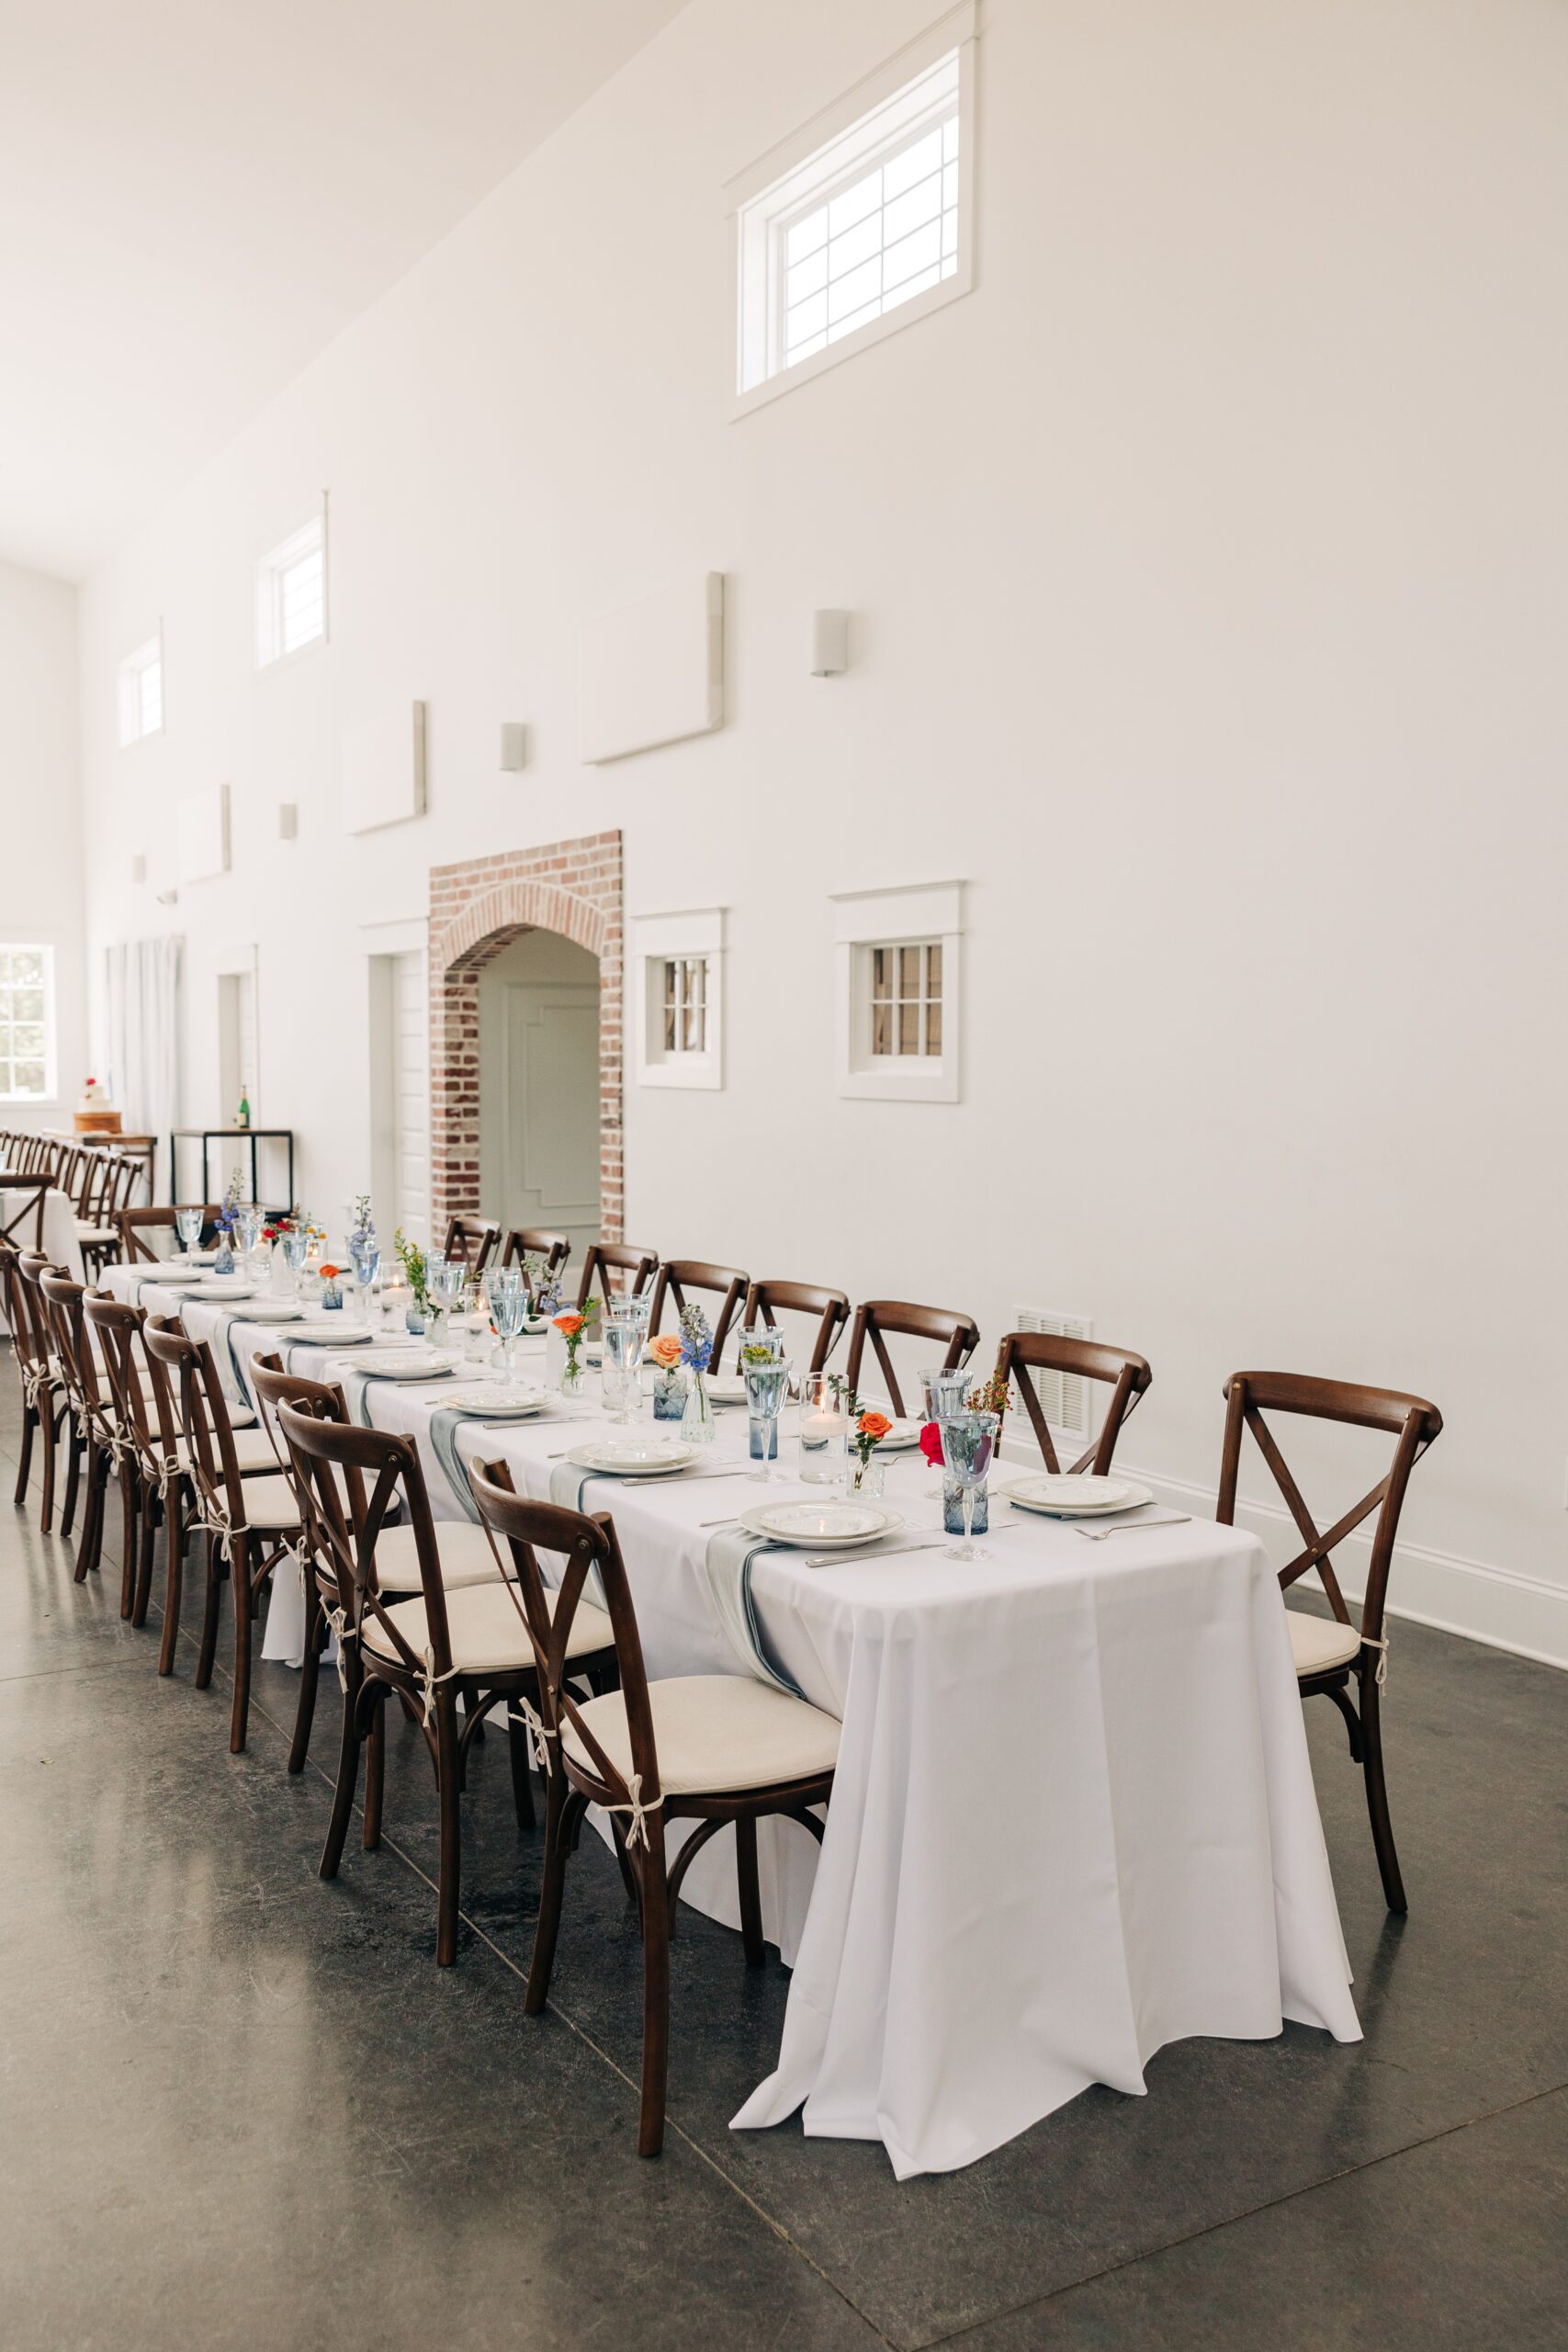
40,798
1208,567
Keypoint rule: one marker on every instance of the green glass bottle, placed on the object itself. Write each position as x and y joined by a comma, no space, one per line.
242,1116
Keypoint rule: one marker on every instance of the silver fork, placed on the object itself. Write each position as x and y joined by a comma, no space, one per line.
1129,1526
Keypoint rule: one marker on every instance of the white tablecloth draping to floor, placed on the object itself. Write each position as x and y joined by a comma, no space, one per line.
1074,1818
60,1245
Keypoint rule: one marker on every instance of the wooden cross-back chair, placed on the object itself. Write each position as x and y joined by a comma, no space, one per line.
533,1241
1023,1354
22,1198
252,1524
139,1452
877,1318
472,1242
92,1426
707,1747
465,1555
1329,1653
679,1275
43,1395
766,1300
466,1645
636,1266
136,1225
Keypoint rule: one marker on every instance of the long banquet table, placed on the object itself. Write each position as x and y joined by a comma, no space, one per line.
1073,1820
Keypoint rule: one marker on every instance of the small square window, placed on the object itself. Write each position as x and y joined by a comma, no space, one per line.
292,593
141,691
676,959
896,993
905,998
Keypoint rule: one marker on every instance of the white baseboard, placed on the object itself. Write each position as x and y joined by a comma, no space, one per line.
1497,1606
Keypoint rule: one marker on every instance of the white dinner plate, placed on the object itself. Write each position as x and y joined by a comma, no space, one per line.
222,1288
330,1331
831,1525
1062,1496
272,1310
404,1363
632,1457
500,1404
177,1277
727,1388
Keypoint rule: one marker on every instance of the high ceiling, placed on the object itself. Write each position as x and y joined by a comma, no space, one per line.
196,195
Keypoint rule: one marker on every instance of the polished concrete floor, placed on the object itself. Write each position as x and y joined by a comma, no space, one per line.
242,2108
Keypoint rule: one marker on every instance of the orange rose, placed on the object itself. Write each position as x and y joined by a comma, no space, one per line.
330,1273
569,1324
873,1425
665,1350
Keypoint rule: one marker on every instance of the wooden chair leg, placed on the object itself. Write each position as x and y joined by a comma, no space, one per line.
655,1996
375,1776
1377,1795
347,1774
751,1893
558,1845
246,1556
90,1548
309,1677
74,1441
174,1579
146,1549
449,1792
519,1743
46,1430
217,1569
128,1502
30,1422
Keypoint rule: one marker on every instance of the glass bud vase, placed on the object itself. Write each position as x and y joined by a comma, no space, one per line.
224,1257
696,1418
953,1505
669,1396
572,1376
413,1319
866,1479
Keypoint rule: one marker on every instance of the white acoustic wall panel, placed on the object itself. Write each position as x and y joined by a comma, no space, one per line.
383,769
203,823
653,672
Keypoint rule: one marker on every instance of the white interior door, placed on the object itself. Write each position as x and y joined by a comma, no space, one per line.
400,1031
550,1108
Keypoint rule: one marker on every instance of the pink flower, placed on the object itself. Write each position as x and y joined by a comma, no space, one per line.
931,1444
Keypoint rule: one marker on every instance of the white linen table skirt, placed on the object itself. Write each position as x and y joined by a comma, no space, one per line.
1073,1819
60,1244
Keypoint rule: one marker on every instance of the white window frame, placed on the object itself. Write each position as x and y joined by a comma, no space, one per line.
697,934
129,675
310,534
50,1094
864,920
836,147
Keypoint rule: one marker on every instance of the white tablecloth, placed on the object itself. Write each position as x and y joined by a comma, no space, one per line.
1073,1820
60,1246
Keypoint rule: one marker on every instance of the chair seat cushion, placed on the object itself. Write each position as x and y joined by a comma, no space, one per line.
465,1557
96,1236
714,1732
487,1634
252,1451
1319,1642
270,1505
242,1416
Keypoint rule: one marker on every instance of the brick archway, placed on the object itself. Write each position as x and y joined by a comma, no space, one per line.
476,907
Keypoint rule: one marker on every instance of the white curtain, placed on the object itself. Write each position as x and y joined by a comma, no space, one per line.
142,1029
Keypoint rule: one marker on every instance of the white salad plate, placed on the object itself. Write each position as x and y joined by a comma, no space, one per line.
221,1286
727,1388
1060,1495
330,1331
272,1310
830,1526
638,1457
500,1404
404,1363
176,1276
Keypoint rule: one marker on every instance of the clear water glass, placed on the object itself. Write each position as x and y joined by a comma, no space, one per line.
944,1392
767,1385
509,1307
295,1250
189,1222
968,1448
366,1261
621,1372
